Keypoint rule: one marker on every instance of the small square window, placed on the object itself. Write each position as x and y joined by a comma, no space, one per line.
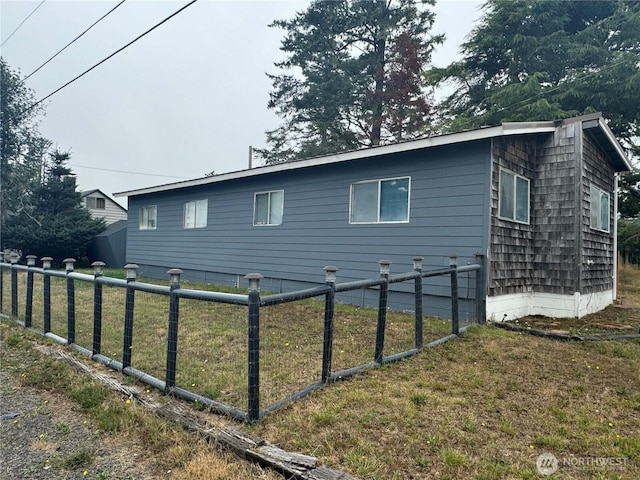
268,208
100,204
195,214
147,217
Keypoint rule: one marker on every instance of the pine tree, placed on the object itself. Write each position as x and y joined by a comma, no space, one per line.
354,77
57,225
545,60
22,148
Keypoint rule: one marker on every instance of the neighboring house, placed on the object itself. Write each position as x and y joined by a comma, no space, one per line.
537,198
103,206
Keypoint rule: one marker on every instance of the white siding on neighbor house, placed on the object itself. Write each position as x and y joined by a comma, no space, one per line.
112,211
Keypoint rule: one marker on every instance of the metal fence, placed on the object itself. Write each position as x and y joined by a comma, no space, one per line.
241,362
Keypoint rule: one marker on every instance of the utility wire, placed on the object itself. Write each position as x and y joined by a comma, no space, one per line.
73,41
110,56
131,173
22,23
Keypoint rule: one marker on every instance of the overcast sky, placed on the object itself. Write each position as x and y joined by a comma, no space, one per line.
185,100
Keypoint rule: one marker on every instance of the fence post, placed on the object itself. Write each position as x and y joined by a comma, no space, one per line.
46,295
97,306
481,290
417,266
14,284
132,272
172,337
28,308
455,321
329,302
253,387
385,266
71,302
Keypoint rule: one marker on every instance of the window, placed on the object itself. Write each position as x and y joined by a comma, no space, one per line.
268,208
599,209
95,203
147,217
195,214
380,201
514,197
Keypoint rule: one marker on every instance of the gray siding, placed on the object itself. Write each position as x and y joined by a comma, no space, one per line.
449,189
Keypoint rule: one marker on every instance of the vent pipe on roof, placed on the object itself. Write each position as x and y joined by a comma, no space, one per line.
250,157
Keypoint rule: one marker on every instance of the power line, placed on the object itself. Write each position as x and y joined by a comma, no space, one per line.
73,41
22,23
130,173
110,56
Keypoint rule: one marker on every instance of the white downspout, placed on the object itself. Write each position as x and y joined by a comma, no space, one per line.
615,236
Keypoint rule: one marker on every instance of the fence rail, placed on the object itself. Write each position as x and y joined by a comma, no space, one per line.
89,332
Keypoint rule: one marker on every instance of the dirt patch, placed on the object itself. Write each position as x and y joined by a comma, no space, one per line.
43,437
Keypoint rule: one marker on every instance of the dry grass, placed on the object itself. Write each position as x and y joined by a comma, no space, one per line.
483,406
162,449
212,338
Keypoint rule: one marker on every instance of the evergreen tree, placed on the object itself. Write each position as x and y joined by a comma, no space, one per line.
22,148
57,225
354,77
545,60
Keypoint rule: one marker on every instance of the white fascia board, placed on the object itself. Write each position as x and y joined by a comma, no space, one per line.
602,124
448,139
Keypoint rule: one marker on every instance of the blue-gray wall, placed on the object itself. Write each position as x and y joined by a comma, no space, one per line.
110,246
449,208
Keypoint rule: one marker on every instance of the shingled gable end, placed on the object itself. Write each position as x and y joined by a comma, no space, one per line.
537,198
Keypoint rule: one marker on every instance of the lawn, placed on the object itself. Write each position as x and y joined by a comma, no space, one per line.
484,406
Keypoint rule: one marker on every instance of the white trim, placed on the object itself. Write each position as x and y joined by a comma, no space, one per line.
592,202
448,139
604,128
517,305
379,198
515,197
614,273
269,194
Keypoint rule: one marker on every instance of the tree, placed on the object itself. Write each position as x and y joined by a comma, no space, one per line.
545,60
22,148
353,77
56,224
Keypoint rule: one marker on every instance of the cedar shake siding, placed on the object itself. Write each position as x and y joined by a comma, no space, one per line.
558,251
554,212
512,243
597,246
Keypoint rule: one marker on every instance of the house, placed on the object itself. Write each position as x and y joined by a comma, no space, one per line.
537,198
102,206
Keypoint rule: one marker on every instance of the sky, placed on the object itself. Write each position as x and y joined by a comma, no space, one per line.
187,99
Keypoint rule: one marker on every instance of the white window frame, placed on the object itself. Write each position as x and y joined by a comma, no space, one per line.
199,215
270,222
379,181
513,218
596,211
147,221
